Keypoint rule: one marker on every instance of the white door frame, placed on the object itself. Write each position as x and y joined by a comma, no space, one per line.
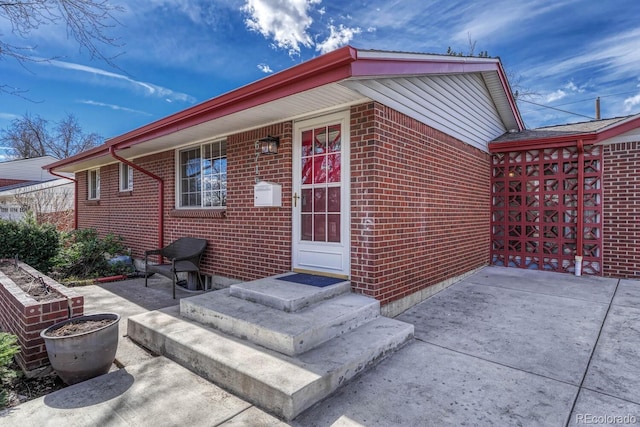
328,258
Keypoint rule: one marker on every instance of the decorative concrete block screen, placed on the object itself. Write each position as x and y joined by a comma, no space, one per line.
538,221
22,315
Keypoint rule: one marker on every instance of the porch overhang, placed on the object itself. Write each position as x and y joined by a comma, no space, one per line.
608,131
339,79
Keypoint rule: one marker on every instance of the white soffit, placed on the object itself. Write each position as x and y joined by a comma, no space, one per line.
459,105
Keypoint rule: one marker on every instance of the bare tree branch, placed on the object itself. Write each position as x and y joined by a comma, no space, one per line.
87,21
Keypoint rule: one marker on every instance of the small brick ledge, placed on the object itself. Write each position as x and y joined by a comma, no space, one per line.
22,315
197,213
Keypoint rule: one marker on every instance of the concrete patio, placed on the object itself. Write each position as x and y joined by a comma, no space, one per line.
502,347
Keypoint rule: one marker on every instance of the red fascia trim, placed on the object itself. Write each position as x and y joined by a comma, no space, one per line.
328,68
618,130
538,144
512,102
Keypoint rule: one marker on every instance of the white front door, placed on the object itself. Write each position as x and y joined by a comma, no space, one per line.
321,197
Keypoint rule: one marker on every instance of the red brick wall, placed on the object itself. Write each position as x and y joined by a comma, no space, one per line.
25,317
420,206
621,234
244,243
420,210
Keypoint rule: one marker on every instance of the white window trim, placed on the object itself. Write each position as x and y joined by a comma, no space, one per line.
129,183
89,184
177,179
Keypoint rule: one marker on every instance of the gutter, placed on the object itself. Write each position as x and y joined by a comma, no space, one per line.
75,196
112,151
580,213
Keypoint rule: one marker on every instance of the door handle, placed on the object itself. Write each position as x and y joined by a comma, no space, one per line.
295,200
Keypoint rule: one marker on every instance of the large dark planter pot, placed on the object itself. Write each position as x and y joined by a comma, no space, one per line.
82,356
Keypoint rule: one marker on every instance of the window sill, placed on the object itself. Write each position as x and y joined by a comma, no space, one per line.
125,193
92,202
198,213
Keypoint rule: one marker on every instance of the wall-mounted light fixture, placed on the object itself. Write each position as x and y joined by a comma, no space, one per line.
269,144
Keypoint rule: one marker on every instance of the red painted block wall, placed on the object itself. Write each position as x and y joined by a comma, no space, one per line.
621,188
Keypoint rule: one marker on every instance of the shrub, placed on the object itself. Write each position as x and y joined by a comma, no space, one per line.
8,349
32,243
84,254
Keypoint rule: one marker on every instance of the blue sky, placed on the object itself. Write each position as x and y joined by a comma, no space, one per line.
175,54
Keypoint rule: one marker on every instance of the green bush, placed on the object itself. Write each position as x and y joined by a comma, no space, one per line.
84,254
32,243
8,349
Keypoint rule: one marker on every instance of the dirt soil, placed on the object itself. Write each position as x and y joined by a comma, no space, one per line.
22,389
34,286
79,327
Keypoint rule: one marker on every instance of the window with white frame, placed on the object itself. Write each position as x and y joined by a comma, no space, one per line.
93,184
126,177
202,176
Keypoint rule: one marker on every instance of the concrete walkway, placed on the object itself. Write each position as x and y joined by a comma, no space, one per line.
502,347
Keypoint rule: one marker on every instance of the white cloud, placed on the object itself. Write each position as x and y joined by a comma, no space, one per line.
286,22
339,37
631,102
555,96
113,107
8,116
148,88
265,68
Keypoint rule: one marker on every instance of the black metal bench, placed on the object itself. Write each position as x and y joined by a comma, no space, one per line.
185,255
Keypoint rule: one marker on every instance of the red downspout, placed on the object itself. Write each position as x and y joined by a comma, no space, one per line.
112,151
580,218
75,196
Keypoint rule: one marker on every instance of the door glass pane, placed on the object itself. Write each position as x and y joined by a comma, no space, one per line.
333,227
335,139
306,232
307,200
320,227
333,169
320,200
320,141
307,170
333,204
319,169
307,143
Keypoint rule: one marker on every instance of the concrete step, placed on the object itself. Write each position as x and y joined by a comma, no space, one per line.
288,333
282,385
286,296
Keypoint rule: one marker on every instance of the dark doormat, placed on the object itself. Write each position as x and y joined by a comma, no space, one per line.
311,279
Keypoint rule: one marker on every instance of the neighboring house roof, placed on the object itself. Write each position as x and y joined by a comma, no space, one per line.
27,169
466,97
32,186
605,131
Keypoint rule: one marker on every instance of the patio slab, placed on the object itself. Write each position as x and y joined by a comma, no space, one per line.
588,288
423,385
600,409
615,366
628,293
544,334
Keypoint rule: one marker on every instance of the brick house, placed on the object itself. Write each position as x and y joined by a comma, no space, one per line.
568,191
25,186
382,165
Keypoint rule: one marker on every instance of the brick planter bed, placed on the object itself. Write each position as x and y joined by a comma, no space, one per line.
24,316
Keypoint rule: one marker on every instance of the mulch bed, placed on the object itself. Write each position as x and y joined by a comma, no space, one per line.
73,328
33,286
